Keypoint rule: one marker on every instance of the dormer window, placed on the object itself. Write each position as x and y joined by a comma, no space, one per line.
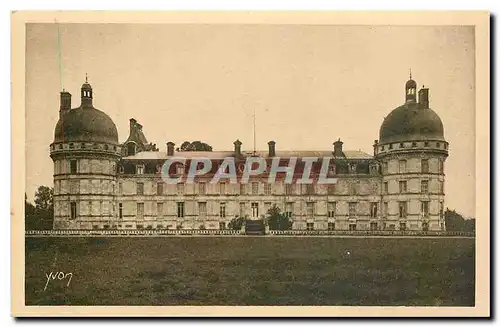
140,169
180,169
131,149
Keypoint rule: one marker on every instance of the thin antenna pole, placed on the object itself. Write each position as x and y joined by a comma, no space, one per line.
254,133
59,55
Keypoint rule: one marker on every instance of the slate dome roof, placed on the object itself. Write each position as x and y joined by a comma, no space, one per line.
86,123
411,122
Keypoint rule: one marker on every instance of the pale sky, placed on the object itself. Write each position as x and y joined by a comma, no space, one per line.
309,86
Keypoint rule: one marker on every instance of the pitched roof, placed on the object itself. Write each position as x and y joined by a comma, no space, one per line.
157,155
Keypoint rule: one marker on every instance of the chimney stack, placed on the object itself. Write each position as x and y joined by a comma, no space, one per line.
423,97
375,145
337,148
170,148
132,125
237,147
65,103
272,148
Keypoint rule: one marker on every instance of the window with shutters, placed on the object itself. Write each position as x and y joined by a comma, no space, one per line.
310,209
267,189
402,209
255,188
202,209
73,210
374,209
352,209
159,209
159,188
425,165
331,207
222,210
424,208
140,188
402,166
424,186
402,186
180,209
289,209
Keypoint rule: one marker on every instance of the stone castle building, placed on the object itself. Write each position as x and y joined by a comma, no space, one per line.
100,183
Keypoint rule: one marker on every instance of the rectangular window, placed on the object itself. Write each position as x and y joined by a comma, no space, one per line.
373,226
331,207
74,186
180,169
425,165
402,209
386,187
140,169
73,166
202,209
402,166
242,209
374,209
267,189
140,210
331,226
73,210
222,210
386,209
120,210
402,226
331,169
222,188
159,188
309,189
424,186
140,188
352,209
159,209
201,188
255,188
255,210
180,209
441,166
331,189
424,208
222,225
352,227
402,186
288,189
310,226
289,209
310,209
180,189
243,189
385,168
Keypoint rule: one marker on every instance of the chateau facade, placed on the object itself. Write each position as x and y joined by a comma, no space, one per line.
100,183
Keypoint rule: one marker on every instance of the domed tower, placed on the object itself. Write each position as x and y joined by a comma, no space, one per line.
412,151
85,152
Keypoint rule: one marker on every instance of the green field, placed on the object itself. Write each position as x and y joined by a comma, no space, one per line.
250,271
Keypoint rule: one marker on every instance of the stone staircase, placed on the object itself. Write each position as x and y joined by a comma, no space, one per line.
255,227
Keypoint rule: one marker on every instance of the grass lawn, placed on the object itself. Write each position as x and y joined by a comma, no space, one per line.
250,271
